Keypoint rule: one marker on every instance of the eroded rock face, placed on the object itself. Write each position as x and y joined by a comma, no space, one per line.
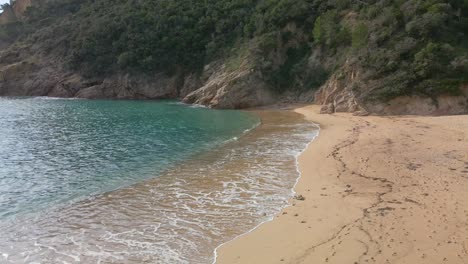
191,83
214,87
7,16
20,6
22,74
336,95
126,87
416,105
25,78
242,88
17,9
67,87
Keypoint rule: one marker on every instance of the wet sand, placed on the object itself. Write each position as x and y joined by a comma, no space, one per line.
377,190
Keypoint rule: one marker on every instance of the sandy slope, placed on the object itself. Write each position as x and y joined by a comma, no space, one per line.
378,190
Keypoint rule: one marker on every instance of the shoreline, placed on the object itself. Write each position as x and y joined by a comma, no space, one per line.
374,192
185,212
293,189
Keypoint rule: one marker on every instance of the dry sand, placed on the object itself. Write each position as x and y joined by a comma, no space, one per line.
377,190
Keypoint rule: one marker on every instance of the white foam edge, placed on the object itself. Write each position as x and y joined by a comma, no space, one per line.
55,98
293,192
198,106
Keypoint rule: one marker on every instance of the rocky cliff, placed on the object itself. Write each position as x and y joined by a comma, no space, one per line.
20,6
214,87
241,88
390,57
339,94
16,10
7,16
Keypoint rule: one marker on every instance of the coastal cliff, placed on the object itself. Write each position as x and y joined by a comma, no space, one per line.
337,95
16,10
384,58
7,16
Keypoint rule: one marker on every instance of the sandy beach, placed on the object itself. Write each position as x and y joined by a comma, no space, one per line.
377,190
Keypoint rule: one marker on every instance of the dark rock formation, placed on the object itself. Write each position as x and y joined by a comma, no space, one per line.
215,87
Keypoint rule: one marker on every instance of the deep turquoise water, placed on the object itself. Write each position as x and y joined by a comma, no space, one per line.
53,151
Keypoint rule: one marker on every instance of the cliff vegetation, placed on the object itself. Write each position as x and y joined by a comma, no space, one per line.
355,53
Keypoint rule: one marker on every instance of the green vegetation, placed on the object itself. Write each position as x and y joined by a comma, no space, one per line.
401,46
359,37
4,6
327,30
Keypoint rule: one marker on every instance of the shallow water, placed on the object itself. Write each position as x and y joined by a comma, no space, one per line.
167,210
53,151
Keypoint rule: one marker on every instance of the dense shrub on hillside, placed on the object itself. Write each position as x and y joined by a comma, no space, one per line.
403,46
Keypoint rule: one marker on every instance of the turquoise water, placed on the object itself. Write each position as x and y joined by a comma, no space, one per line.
139,182
53,151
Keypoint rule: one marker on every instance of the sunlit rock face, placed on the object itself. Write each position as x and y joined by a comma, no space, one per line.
16,10
7,16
